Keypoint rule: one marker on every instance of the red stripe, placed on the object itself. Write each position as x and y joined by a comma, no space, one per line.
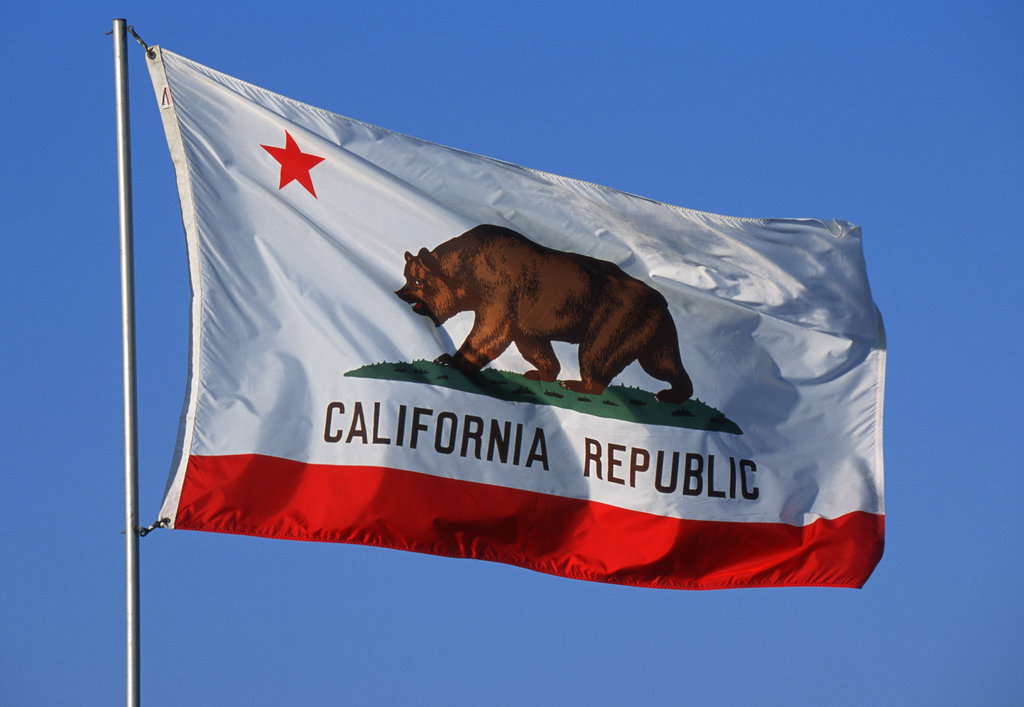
277,498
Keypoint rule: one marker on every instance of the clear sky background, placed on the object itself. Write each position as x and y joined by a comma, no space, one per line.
905,118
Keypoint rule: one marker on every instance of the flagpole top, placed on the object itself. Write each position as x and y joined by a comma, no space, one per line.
119,23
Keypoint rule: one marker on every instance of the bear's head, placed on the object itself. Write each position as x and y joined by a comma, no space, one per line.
426,287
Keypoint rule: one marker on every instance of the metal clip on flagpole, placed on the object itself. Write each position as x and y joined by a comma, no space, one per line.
131,456
149,52
162,523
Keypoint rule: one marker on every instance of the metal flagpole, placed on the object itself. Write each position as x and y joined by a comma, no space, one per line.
131,456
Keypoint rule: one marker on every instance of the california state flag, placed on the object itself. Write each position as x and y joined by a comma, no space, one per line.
400,344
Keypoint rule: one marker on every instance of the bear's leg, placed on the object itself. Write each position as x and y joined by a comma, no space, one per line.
540,353
488,338
660,358
599,363
610,346
591,387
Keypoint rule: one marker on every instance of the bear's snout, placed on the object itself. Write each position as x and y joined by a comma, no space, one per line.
418,305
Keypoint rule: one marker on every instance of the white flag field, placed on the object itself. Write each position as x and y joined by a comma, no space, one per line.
400,344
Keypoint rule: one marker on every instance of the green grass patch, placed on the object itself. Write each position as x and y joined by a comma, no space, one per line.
617,402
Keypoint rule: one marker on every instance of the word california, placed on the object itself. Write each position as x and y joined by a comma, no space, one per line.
448,432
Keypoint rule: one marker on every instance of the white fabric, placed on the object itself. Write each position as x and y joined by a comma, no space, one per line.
776,323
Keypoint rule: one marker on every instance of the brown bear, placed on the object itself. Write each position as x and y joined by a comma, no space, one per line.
530,295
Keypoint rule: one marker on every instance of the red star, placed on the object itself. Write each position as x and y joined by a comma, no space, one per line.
295,164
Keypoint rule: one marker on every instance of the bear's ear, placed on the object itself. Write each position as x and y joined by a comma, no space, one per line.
408,256
428,259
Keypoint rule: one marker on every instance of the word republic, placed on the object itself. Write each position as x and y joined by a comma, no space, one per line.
622,465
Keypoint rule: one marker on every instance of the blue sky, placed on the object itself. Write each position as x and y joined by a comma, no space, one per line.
901,117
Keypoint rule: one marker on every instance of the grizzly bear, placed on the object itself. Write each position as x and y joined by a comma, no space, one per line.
530,295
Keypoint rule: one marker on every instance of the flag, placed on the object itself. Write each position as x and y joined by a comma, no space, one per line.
400,344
